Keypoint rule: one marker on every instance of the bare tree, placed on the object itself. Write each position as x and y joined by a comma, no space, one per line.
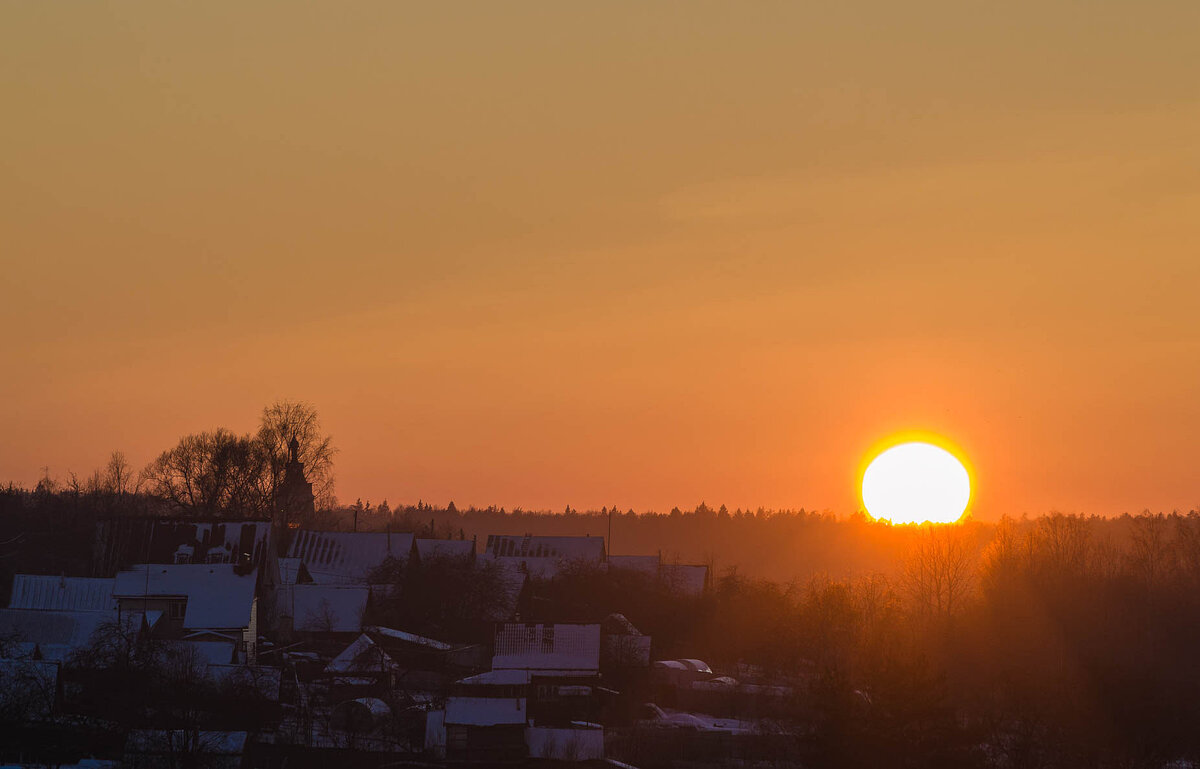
284,420
938,572
215,474
119,477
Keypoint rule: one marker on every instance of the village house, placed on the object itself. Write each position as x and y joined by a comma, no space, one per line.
207,604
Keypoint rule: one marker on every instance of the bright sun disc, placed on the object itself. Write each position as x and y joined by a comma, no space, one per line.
916,483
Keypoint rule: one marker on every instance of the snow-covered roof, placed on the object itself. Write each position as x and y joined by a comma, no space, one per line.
547,647
55,633
412,638
485,711
326,608
344,556
562,548
217,596
33,591
362,656
445,548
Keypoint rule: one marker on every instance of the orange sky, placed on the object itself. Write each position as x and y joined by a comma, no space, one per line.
647,254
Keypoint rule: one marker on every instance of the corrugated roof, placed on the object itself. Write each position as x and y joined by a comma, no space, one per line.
34,591
344,556
445,548
564,548
217,596
547,647
327,608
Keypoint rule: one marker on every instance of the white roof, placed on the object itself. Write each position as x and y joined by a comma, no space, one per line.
31,591
217,597
327,608
362,656
411,638
547,647
55,633
485,711
344,556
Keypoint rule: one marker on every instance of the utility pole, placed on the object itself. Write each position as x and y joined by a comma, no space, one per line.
610,512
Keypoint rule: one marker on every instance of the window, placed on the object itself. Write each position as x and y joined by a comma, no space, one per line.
176,609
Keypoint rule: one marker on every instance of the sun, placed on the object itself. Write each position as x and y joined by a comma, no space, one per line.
916,482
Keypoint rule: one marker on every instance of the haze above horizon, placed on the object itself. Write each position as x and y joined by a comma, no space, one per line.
537,254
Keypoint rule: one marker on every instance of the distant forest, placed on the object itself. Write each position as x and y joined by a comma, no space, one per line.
1056,641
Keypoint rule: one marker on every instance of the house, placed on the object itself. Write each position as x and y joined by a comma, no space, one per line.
544,557
196,602
484,719
346,558
322,608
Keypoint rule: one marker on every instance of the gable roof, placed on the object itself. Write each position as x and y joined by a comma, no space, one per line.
445,548
32,591
347,557
217,596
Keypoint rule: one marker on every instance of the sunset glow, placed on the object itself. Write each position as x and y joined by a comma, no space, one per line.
916,483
